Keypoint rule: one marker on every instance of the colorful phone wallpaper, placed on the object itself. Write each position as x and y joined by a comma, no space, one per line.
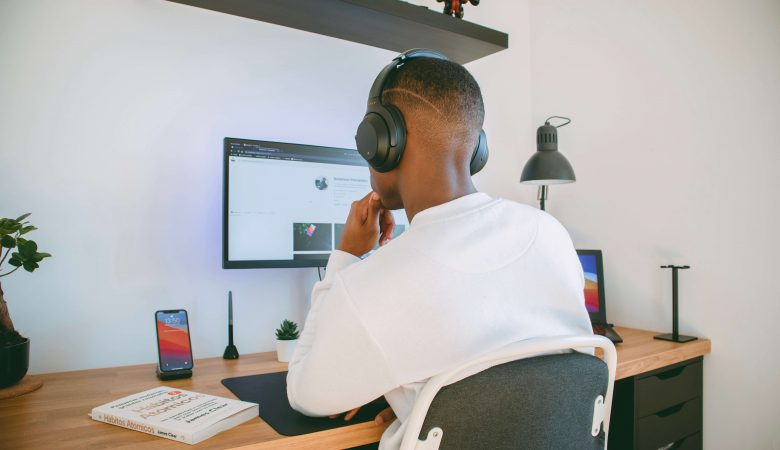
591,283
174,341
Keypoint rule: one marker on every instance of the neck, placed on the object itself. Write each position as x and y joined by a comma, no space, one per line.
429,189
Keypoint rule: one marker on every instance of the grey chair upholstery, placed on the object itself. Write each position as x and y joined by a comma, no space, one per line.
543,402
541,415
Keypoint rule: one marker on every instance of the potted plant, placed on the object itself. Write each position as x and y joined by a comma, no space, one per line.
286,338
15,349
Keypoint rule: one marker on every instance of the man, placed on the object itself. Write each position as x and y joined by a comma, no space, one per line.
470,275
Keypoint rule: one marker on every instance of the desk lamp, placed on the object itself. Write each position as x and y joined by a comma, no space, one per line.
547,166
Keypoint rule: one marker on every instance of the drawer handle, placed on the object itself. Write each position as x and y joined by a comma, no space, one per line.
674,445
671,373
669,411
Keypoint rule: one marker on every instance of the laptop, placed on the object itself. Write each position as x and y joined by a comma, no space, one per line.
593,269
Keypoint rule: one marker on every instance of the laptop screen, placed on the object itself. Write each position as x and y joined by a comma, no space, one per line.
591,282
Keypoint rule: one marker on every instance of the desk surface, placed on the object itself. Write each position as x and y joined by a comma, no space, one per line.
56,415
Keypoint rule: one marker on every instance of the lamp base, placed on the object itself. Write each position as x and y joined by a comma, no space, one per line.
670,337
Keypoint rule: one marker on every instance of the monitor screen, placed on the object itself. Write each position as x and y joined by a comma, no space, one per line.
285,204
591,272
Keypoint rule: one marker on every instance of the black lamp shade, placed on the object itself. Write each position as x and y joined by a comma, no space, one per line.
547,166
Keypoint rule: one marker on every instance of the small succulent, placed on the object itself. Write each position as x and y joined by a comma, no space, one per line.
288,331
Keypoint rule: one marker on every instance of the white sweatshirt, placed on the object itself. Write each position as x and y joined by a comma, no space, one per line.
467,277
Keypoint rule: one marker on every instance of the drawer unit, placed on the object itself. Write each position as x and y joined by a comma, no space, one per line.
668,388
668,426
659,410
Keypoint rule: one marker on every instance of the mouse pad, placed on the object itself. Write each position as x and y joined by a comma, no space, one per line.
270,392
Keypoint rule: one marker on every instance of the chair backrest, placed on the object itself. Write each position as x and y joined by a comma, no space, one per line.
552,401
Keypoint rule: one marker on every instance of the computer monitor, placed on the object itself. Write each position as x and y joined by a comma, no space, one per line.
593,270
285,204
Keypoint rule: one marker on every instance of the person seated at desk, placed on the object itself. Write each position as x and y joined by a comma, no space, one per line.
470,274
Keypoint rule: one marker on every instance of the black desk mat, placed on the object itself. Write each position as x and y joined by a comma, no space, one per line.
270,392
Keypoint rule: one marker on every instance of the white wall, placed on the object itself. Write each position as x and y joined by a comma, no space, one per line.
111,127
674,139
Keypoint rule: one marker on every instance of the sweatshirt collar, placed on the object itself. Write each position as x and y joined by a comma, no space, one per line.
451,208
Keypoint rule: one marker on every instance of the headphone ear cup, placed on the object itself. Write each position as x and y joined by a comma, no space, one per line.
397,128
381,126
480,156
372,139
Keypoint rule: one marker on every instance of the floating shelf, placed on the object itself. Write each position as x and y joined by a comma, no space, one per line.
390,24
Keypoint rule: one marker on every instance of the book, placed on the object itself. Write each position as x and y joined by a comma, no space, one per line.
176,414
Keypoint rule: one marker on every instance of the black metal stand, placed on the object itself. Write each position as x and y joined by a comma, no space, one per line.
231,352
542,196
675,336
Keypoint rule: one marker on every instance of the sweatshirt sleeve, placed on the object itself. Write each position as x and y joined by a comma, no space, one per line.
337,365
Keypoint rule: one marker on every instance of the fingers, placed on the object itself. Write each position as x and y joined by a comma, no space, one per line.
366,206
351,414
386,225
387,415
374,208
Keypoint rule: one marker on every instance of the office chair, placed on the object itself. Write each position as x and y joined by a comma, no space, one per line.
553,401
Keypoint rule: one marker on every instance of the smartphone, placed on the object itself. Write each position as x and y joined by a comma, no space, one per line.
173,340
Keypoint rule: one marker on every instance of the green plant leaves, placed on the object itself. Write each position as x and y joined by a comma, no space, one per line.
11,226
8,226
27,254
7,241
27,229
28,249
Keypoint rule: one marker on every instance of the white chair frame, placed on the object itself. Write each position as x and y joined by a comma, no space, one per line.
511,352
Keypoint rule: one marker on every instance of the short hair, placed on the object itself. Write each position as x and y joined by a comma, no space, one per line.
438,95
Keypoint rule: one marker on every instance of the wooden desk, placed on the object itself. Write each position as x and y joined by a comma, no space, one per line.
56,415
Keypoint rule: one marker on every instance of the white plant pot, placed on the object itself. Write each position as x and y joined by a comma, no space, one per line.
285,349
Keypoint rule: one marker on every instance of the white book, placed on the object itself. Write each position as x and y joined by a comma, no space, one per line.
184,416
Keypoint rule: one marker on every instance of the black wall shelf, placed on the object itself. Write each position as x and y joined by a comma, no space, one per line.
390,24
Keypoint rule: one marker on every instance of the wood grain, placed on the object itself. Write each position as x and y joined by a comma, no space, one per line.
55,416
640,353
25,386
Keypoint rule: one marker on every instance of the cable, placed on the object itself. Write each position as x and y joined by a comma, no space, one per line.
319,274
568,121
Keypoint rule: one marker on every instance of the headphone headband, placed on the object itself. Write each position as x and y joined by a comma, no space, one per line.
379,83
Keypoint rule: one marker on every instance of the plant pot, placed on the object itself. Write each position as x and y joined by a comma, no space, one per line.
14,362
285,349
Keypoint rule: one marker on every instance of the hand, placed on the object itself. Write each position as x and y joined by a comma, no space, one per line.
387,415
367,223
348,415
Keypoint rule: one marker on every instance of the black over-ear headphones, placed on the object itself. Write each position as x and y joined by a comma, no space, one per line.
381,136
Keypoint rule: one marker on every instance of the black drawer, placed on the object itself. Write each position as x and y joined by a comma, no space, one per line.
692,442
670,387
670,425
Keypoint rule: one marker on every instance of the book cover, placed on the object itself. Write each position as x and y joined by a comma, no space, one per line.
176,414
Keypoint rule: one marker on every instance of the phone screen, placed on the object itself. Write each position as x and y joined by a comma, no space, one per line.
173,340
